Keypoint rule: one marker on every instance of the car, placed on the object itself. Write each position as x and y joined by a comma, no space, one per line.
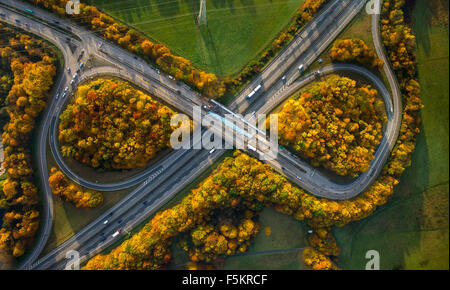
63,95
17,21
157,71
69,28
75,76
81,65
57,95
301,68
2,15
283,79
135,57
212,151
119,221
171,77
68,69
72,82
66,89
320,60
105,222
331,10
56,22
299,178
144,202
27,24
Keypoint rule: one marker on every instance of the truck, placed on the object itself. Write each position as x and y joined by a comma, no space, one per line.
116,233
254,92
251,147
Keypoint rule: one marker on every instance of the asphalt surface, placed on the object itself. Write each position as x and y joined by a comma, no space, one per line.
160,182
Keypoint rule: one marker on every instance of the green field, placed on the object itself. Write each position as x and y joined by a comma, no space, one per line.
237,30
282,249
412,230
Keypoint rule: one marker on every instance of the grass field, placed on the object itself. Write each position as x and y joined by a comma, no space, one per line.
282,249
286,233
412,230
237,30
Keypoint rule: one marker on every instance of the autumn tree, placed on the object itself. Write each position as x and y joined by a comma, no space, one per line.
67,190
113,125
355,51
336,124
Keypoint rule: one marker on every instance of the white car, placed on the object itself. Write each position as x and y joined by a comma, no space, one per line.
72,82
105,222
66,89
75,76
57,95
212,151
171,77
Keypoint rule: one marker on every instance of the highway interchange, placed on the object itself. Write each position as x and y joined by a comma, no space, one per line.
157,184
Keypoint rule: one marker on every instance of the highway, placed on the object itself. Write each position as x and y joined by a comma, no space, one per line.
161,181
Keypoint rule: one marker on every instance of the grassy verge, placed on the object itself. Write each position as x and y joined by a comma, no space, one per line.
411,231
68,219
359,28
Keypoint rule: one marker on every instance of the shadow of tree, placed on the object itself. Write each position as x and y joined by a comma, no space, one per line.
422,31
168,8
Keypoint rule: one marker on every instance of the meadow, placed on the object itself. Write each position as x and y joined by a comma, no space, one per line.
236,31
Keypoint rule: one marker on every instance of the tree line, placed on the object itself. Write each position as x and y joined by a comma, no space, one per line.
67,190
355,51
31,65
106,26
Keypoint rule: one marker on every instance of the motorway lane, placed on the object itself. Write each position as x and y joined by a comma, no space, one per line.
273,72
313,180
126,59
170,160
92,241
58,38
305,175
